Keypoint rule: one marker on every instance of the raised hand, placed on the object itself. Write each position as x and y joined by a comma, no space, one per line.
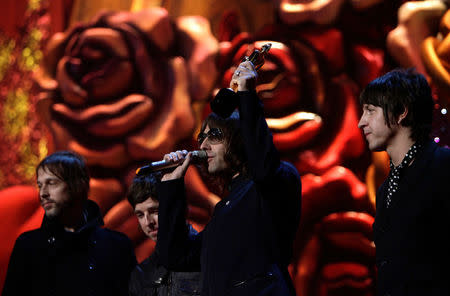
244,78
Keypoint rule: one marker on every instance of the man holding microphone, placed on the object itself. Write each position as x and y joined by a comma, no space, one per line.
247,245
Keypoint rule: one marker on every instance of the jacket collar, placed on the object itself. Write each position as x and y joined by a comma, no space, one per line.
92,219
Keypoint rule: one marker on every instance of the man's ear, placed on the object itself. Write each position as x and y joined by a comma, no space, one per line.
402,116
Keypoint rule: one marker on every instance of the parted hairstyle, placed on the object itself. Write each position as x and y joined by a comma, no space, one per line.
400,89
142,188
69,167
235,155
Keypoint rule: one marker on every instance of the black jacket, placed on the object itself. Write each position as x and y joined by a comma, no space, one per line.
246,247
151,279
411,237
52,261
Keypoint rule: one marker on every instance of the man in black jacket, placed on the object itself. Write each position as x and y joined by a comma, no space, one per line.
149,278
70,254
411,223
246,247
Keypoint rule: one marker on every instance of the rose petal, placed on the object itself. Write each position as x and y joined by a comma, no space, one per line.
106,192
96,112
71,91
297,137
318,11
115,156
119,126
336,190
202,48
109,38
417,20
346,143
174,121
45,74
436,68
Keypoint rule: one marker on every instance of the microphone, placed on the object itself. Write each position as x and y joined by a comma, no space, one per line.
197,156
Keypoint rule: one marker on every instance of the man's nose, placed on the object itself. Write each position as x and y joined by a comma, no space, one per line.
149,220
43,191
362,121
204,145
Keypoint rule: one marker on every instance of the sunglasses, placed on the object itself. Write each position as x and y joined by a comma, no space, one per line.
214,136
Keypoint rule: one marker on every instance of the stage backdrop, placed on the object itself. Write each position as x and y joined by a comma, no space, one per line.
124,82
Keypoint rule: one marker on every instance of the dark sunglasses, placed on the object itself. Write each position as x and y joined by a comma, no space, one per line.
214,136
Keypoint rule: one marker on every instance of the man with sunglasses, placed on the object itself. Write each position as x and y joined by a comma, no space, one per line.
247,245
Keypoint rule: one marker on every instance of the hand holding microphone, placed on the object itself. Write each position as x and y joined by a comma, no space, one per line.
179,159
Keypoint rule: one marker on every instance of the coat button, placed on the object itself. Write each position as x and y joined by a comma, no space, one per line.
51,240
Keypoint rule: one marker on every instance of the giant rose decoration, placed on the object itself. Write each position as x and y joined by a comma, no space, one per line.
120,91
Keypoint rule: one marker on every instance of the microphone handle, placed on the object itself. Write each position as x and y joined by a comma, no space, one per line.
164,165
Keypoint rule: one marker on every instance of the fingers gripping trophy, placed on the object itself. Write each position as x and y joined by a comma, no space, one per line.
226,99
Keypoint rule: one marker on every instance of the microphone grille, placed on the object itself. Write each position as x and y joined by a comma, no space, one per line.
201,154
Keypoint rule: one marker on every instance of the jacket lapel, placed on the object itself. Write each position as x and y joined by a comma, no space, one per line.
413,175
381,223
406,188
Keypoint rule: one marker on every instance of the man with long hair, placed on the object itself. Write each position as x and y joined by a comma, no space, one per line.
247,245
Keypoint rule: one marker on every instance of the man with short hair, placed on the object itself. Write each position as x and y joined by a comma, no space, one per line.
70,254
246,247
150,278
411,223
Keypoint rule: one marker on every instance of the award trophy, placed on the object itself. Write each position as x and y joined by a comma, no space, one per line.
226,99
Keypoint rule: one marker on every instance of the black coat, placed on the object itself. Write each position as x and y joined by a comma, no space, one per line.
412,236
246,247
151,279
51,261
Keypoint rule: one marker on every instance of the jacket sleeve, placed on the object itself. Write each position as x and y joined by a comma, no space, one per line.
14,282
262,156
130,265
444,174
264,166
134,284
177,248
278,182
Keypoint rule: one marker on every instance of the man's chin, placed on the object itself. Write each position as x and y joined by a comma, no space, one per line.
376,147
215,170
51,214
